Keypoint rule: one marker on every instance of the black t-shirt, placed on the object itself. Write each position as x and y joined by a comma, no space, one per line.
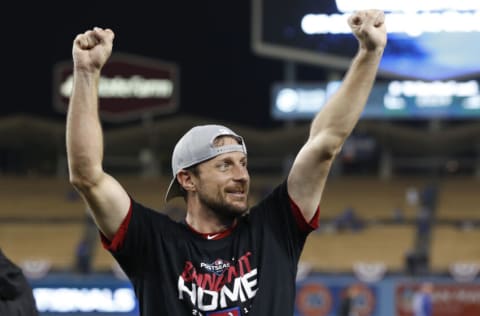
250,271
16,297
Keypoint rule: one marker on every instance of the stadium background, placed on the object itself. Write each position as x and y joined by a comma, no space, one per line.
401,206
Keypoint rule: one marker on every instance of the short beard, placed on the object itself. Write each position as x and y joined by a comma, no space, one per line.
220,208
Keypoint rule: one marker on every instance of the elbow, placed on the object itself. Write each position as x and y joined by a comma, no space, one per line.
84,178
328,153
328,146
78,182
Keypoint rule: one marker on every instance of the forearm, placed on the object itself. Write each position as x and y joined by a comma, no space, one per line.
84,132
338,117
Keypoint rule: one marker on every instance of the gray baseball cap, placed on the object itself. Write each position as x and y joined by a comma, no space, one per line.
196,146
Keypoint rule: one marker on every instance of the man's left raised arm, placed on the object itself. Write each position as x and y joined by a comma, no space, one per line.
334,123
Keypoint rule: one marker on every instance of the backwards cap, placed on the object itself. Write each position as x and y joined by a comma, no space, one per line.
196,146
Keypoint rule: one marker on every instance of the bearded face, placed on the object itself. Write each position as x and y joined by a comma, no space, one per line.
222,184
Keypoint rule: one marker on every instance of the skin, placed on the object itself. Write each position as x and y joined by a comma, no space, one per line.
109,201
219,193
332,125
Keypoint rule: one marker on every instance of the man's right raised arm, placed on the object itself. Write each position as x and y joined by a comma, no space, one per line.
106,198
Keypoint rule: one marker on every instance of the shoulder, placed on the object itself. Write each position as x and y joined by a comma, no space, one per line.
278,193
152,215
273,199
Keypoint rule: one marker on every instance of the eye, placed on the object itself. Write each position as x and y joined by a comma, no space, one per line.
223,165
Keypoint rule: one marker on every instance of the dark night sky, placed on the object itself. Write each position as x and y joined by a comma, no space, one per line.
220,76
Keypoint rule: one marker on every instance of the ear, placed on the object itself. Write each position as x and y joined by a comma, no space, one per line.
186,180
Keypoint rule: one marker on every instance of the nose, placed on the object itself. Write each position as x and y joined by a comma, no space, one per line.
240,173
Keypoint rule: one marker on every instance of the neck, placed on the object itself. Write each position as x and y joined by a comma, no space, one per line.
206,221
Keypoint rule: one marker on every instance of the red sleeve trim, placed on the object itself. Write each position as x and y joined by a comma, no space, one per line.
301,222
117,241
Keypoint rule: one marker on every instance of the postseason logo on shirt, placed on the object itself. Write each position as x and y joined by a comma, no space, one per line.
217,267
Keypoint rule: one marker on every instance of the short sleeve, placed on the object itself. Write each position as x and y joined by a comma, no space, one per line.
138,237
281,221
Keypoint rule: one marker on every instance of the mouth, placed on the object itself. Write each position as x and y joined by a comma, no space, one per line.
237,193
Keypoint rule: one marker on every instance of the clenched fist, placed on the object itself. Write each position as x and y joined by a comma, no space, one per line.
368,26
92,49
